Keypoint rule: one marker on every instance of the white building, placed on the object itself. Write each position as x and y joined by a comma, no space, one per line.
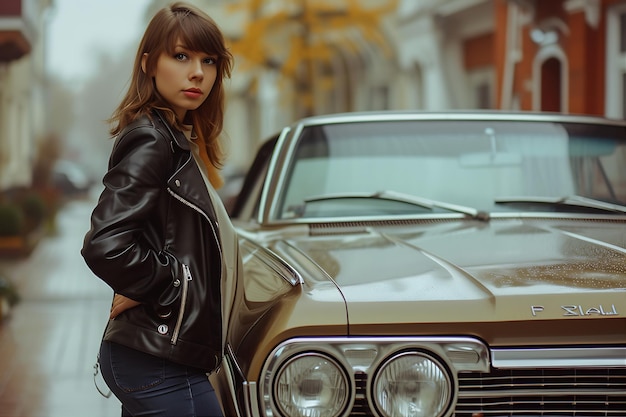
432,37
22,88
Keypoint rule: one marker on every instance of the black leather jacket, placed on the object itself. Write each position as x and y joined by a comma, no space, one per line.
154,238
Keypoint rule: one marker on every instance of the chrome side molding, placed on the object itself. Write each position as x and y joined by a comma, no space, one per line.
578,357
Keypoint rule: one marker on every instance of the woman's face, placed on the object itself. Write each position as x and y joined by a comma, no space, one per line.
185,78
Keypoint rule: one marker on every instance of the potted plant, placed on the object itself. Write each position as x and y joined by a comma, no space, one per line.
23,217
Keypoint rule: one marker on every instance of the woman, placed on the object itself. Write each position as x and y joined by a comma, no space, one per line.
154,236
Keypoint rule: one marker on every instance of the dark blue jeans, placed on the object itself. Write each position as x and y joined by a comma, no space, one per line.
150,386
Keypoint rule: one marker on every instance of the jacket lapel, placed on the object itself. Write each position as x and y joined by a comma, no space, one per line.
186,182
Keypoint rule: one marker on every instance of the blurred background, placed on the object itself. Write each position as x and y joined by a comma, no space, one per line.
65,64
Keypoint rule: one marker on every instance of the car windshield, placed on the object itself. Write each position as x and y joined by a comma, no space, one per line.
471,167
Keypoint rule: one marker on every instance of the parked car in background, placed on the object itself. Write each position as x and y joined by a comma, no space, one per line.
70,178
414,264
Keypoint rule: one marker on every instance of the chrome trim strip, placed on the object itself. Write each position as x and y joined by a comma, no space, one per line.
251,399
283,160
610,357
533,392
275,176
475,115
444,347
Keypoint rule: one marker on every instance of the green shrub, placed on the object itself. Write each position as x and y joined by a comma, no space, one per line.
11,219
34,209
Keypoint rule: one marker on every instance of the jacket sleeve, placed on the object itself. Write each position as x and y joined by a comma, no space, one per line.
119,248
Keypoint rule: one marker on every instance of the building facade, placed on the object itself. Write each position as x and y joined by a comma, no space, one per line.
559,55
22,88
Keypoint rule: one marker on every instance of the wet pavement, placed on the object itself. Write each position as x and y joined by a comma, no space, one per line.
48,344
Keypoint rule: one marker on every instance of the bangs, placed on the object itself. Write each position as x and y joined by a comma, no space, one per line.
196,34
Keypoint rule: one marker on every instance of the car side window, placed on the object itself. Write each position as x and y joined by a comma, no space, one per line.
247,203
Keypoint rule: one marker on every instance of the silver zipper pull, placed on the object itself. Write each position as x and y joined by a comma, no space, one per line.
187,272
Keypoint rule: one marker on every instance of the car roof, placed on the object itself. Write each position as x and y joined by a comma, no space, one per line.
461,115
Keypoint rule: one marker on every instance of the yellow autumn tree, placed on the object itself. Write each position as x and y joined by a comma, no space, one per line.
295,36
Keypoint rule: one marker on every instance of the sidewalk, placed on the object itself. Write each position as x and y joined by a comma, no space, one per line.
49,343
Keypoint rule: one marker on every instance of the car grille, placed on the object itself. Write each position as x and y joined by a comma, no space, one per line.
543,392
531,393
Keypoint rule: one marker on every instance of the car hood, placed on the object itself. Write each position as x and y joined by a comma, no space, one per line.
475,272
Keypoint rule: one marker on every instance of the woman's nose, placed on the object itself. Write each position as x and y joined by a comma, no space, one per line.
196,69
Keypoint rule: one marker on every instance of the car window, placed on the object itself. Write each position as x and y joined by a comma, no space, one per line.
247,202
468,163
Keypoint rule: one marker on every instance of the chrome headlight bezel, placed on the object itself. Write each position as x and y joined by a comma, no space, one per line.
360,357
284,355
319,360
446,378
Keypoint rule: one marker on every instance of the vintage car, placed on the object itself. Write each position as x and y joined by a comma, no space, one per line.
414,264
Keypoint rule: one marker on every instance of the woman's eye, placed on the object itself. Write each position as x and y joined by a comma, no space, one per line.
180,56
210,61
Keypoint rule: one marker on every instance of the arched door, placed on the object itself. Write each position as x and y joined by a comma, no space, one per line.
550,88
550,80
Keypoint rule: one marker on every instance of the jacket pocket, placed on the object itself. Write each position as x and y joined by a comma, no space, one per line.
168,298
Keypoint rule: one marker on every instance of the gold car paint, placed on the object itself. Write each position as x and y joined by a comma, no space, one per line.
441,283
280,310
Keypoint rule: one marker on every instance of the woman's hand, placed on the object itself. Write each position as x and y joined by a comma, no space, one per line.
121,304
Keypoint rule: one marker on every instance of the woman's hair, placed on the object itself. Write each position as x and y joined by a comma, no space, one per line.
198,32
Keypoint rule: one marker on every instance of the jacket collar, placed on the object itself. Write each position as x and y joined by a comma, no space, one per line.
178,137
186,182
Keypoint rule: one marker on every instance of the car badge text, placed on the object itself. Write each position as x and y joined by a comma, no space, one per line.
579,310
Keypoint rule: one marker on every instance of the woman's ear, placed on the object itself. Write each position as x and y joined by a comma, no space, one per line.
143,62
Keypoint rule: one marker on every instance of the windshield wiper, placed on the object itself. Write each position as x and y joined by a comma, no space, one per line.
575,201
405,198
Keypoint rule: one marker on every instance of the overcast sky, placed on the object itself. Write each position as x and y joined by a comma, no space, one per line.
79,29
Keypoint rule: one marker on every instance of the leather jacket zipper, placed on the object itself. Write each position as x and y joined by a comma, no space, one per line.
186,278
185,283
196,208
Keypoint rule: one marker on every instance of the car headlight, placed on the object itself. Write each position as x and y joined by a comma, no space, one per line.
311,384
412,384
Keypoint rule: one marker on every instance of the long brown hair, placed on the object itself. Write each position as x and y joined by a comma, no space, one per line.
179,21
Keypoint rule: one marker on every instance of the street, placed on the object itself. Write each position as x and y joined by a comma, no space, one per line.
49,343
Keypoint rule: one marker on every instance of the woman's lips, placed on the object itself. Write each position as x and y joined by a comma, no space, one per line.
192,92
